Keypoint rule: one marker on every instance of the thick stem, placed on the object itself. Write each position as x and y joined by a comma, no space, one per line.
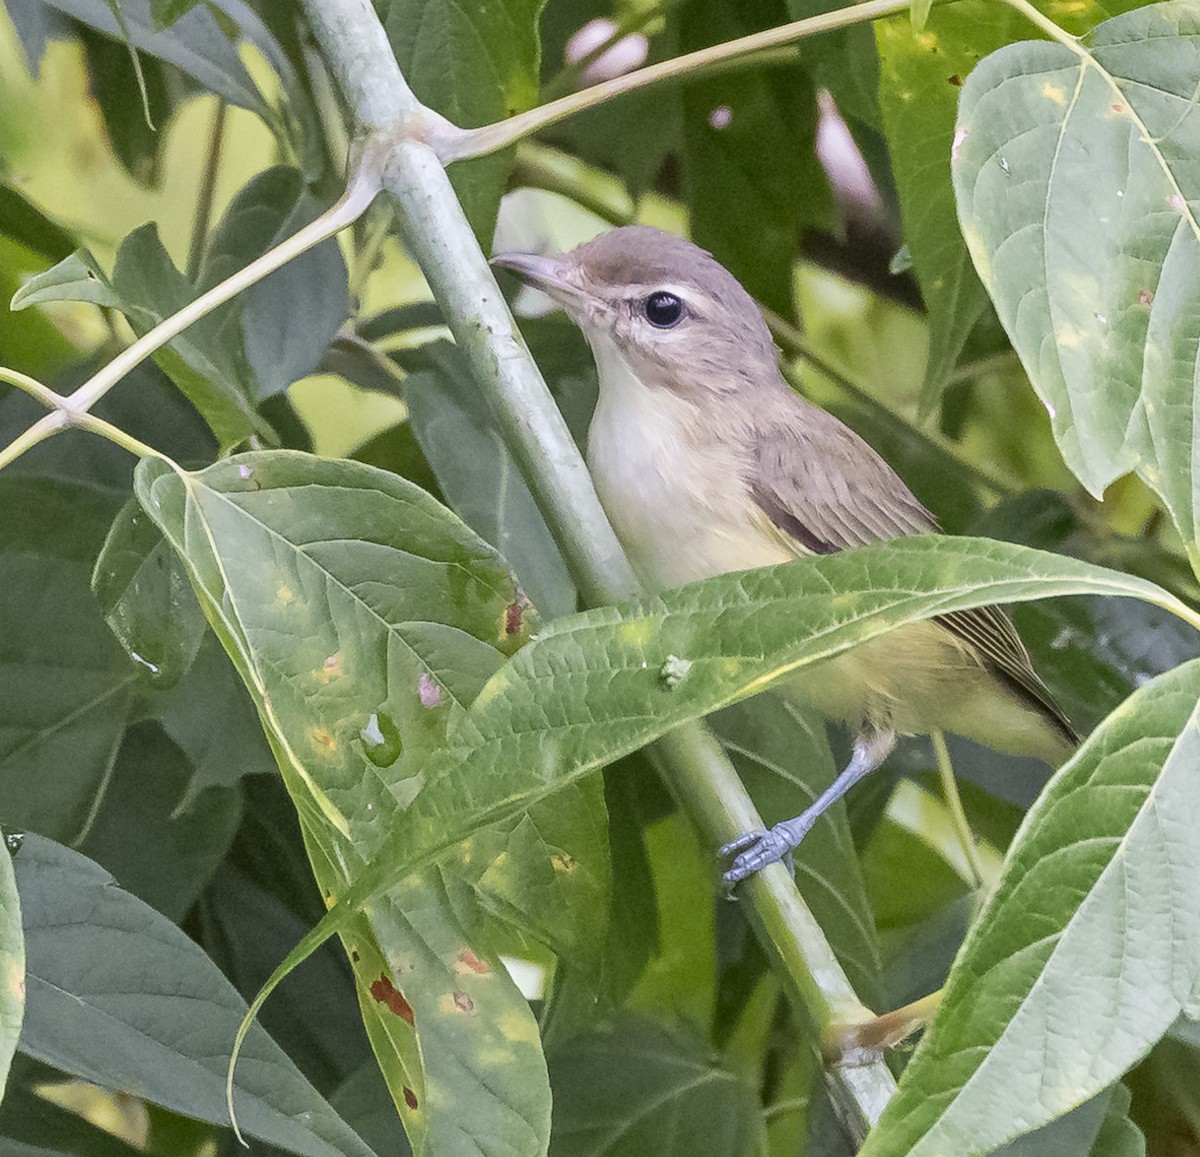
698,770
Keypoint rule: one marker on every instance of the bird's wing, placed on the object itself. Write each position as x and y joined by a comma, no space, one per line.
822,489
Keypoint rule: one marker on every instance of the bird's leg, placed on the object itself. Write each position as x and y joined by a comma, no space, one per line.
755,850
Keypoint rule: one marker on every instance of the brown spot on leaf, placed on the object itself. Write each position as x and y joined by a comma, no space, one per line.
1118,108
1145,297
384,991
322,740
956,80
354,955
470,961
410,1098
513,622
463,1002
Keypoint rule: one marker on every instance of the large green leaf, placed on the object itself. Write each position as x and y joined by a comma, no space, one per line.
120,996
67,684
1076,176
635,1088
591,687
12,963
1086,952
364,617
473,63
162,846
288,318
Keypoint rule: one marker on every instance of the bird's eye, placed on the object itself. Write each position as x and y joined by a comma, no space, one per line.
663,310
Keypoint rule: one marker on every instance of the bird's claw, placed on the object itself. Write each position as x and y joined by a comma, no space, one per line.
754,851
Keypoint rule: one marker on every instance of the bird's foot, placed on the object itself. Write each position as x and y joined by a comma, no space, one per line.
755,850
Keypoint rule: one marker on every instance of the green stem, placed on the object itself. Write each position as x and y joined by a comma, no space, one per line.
45,427
962,825
32,387
360,192
455,144
118,436
441,240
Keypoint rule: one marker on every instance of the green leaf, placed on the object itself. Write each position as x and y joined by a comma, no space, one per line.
1085,953
68,685
162,846
1119,1136
289,318
12,963
476,64
364,617
220,756
200,361
145,597
195,44
635,1088
147,288
120,996
24,222
133,99
1076,188
480,479
589,689
166,12
75,278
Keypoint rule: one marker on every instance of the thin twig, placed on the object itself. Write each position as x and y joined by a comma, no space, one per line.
958,813
455,144
208,186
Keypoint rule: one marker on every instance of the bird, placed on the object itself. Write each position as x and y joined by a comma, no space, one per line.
707,462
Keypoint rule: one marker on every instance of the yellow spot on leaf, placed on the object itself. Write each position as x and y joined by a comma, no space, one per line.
284,594
14,979
926,40
322,740
636,633
1054,92
517,1028
493,687
1068,337
329,670
563,862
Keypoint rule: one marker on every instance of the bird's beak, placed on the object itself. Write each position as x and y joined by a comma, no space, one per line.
552,275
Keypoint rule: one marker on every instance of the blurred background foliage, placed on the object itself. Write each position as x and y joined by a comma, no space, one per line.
787,171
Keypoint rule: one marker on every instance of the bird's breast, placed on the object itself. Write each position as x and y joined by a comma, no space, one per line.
671,488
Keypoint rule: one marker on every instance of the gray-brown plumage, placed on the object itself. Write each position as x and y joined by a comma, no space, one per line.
707,462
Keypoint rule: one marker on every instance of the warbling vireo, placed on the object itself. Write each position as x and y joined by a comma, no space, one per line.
707,462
